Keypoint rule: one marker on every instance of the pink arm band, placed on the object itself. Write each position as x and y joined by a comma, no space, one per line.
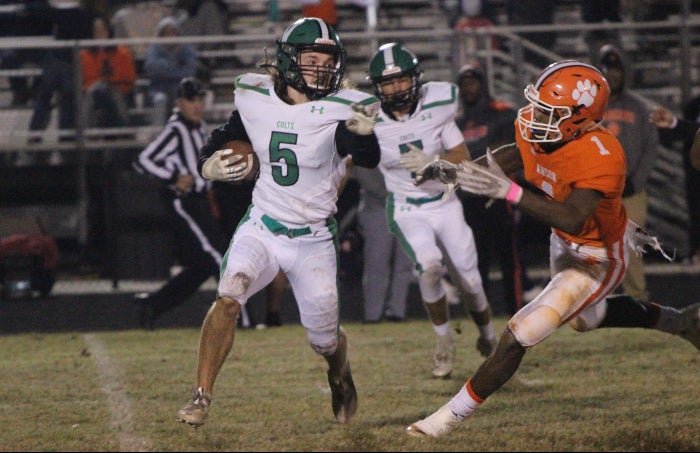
515,193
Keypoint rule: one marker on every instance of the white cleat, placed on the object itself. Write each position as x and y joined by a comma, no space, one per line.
691,324
196,410
438,424
444,353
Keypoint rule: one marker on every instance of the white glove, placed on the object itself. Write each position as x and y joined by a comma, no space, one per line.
439,170
223,165
489,181
638,238
415,159
362,119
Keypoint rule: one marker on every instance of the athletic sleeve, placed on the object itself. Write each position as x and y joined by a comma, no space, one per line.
232,130
364,149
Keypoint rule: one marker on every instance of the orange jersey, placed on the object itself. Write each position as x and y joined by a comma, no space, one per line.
119,62
595,161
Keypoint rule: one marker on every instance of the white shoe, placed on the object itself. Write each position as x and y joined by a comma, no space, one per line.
196,410
444,353
439,423
691,324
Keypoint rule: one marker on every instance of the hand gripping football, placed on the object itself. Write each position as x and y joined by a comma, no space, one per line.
242,169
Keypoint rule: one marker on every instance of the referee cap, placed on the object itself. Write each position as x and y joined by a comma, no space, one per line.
190,88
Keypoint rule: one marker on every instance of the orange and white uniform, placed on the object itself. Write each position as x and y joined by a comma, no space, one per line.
589,265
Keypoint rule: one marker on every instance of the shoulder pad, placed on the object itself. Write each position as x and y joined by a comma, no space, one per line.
349,96
439,93
254,81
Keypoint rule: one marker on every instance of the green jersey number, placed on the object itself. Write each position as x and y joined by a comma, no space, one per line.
282,159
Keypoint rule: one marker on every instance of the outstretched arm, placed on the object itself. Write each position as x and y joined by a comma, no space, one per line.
490,180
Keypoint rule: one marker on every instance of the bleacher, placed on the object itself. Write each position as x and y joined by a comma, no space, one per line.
421,24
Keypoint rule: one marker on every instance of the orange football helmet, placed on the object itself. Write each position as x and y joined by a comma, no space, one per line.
567,99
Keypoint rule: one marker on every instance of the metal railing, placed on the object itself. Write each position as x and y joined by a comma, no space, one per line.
507,67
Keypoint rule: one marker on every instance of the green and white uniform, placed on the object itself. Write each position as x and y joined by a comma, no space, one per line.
290,224
427,217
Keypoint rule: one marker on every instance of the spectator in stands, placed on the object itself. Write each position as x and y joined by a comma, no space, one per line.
387,271
165,65
627,118
685,129
599,12
323,9
72,20
534,12
466,15
205,18
467,10
139,20
109,76
488,123
25,22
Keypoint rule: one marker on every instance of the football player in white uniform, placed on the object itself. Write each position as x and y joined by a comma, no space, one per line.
416,126
302,124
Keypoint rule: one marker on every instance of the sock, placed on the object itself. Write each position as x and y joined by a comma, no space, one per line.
442,329
487,331
464,402
670,320
626,311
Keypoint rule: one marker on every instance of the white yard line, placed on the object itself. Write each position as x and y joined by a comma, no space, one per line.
119,405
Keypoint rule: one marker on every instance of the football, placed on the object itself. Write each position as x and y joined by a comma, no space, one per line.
245,149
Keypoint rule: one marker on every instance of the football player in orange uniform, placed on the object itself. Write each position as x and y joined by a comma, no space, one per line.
580,167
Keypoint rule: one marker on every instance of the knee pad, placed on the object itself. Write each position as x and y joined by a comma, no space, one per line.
533,326
429,283
235,287
325,348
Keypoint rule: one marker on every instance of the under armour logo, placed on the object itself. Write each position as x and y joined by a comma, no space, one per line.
314,109
426,116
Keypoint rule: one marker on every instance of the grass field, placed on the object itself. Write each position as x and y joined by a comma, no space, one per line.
610,390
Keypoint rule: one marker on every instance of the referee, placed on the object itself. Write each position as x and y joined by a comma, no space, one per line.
200,244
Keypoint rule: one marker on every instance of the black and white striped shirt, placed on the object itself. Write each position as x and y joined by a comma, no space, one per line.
175,152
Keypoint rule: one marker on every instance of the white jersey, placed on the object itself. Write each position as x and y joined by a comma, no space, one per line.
300,169
431,127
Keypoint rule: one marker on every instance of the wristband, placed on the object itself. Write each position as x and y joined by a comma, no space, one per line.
515,193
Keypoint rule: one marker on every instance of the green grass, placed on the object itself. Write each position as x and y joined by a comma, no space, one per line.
610,390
